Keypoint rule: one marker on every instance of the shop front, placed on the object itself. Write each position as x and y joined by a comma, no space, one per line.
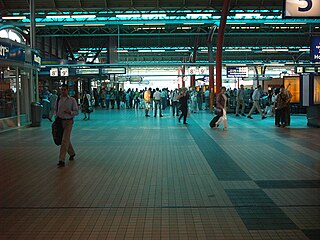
19,65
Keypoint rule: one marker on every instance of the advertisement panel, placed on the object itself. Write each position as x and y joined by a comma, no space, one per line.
301,9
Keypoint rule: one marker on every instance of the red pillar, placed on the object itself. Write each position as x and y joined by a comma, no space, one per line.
220,38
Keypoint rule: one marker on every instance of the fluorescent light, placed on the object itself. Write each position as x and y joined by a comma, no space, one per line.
193,15
83,51
13,17
122,51
304,50
247,15
282,49
58,16
72,25
236,23
104,51
94,25
193,23
181,50
184,28
84,16
268,50
128,16
37,25
149,50
238,50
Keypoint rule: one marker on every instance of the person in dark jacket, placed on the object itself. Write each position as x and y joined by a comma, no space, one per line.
183,100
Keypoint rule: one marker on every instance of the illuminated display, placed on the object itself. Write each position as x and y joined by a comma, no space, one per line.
292,84
237,72
316,93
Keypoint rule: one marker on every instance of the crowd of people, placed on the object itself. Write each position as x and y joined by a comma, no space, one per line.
275,102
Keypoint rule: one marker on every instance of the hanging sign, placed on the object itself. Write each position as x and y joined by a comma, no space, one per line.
237,72
54,72
64,72
301,9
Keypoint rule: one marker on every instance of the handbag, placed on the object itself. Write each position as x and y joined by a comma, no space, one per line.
90,109
57,131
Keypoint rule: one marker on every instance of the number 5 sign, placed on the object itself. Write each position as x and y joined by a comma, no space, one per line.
301,9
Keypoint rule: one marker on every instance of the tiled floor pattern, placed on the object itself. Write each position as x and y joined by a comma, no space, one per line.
152,178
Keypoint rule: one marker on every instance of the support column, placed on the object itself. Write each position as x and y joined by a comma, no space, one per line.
211,77
193,81
225,11
18,97
32,45
183,71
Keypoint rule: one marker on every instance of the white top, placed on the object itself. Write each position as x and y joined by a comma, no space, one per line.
256,95
157,95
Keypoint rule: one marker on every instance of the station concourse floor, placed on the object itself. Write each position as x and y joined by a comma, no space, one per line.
154,178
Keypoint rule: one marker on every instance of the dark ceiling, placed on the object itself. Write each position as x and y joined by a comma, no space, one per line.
255,34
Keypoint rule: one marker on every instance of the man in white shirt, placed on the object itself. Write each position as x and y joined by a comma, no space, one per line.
157,101
256,105
67,110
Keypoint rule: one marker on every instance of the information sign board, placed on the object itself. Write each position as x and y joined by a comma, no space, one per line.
88,71
237,72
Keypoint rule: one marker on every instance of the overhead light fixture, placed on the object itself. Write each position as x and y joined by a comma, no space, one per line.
193,23
37,25
72,25
304,50
181,50
13,17
94,25
151,50
84,16
128,15
122,51
194,15
238,50
300,23
247,15
273,23
58,16
236,23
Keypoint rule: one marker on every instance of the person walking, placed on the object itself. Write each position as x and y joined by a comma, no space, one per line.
183,100
240,101
86,105
146,97
256,105
157,102
67,110
53,102
175,103
222,106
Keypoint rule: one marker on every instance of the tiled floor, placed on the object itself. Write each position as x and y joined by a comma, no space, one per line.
150,178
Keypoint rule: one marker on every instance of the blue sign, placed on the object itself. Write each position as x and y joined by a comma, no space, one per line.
11,51
237,72
315,49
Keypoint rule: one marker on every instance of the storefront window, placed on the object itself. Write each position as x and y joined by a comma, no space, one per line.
8,107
